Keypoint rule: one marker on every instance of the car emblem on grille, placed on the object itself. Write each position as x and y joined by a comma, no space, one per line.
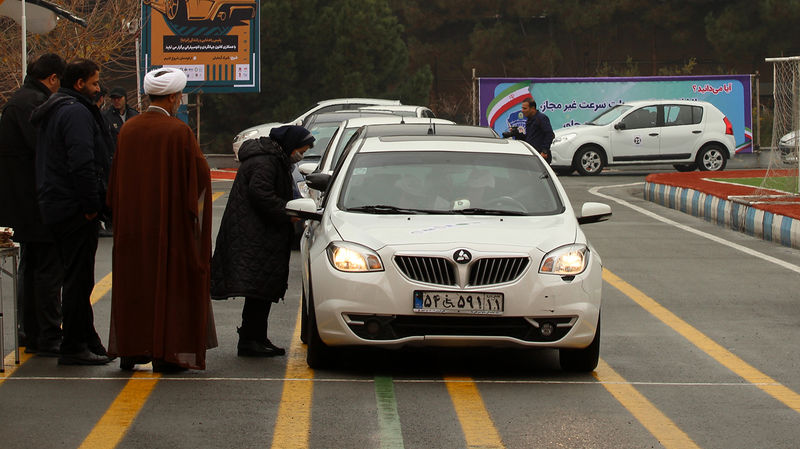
462,256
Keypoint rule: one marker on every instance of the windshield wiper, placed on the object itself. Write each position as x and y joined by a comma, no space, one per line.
384,209
479,211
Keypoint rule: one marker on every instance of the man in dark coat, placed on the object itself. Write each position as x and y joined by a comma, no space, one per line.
118,113
160,195
71,165
39,282
538,131
251,257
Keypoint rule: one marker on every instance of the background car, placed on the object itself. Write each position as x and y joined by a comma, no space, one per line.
687,134
788,145
336,104
403,109
448,241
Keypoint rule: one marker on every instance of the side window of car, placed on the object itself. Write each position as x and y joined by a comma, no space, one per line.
677,115
697,114
646,117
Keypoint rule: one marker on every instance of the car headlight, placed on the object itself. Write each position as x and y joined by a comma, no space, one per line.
563,139
245,136
565,261
352,257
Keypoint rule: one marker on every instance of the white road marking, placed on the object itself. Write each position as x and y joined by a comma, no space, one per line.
714,238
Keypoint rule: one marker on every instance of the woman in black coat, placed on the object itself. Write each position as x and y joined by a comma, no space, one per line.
251,257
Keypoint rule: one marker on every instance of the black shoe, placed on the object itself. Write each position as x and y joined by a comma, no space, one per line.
252,348
85,357
49,350
160,366
127,363
99,349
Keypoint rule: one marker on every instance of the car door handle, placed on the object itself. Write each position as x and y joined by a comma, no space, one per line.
653,134
697,131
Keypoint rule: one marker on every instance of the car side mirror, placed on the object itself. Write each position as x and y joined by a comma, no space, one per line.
594,212
620,126
318,181
304,208
307,168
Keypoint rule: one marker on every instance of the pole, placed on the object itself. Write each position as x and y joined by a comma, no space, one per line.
24,43
138,79
197,100
474,114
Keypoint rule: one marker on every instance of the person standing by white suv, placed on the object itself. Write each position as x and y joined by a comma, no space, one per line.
538,131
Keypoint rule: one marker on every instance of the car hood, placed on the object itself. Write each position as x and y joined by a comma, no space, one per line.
577,129
377,231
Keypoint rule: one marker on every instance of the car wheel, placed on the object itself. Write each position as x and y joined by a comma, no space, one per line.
303,318
318,354
589,161
712,158
581,360
685,167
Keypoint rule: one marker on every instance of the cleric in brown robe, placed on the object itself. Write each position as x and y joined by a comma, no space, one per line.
160,197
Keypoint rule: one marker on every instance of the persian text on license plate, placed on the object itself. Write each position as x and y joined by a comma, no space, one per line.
458,302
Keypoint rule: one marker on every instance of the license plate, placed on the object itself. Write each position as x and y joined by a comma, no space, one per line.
458,302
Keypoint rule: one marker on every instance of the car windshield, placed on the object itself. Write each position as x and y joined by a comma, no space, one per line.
444,182
609,115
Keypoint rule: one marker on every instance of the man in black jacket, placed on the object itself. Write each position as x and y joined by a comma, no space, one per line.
118,113
71,166
39,281
538,131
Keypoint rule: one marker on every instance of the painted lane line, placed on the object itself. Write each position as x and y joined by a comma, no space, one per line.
101,288
388,418
712,237
400,381
116,421
661,427
726,358
477,425
293,424
11,366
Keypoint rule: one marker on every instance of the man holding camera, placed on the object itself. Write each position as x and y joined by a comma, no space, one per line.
538,132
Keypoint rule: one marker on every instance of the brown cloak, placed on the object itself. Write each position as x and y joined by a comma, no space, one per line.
160,196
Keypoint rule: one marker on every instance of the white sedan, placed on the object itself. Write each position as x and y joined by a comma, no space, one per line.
443,241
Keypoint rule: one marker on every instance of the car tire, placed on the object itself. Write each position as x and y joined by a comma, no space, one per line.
712,158
303,318
581,360
589,161
318,354
685,167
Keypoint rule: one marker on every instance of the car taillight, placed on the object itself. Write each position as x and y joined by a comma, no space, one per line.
728,126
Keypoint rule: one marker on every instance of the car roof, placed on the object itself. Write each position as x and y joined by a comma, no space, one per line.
639,103
391,118
416,129
374,101
393,107
444,143
340,116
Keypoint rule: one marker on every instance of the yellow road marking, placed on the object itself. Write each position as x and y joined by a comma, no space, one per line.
115,422
667,433
707,345
215,196
10,366
477,425
101,288
293,424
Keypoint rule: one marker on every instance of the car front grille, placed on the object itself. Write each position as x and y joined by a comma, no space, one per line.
433,270
441,271
496,270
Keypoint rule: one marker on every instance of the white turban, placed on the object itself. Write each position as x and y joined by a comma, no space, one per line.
164,81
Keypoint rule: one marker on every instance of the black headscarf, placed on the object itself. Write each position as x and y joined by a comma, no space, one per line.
291,137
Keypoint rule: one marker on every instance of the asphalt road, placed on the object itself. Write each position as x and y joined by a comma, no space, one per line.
699,325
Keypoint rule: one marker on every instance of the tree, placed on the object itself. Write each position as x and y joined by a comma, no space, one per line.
107,40
314,50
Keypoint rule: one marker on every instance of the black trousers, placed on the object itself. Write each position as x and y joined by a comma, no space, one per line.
76,240
255,315
39,294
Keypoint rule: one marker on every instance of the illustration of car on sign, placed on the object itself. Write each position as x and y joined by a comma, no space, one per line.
222,11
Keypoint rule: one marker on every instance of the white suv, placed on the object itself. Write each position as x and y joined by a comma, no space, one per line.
336,104
686,134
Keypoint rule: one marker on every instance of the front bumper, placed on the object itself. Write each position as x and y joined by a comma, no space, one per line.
376,309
